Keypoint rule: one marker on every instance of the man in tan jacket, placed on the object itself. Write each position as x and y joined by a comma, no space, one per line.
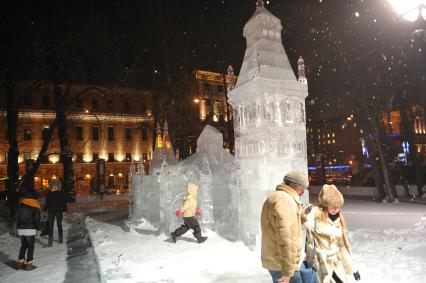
282,229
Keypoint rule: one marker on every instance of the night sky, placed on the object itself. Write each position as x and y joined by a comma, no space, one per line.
352,49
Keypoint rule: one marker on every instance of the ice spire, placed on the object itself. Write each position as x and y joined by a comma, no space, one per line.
158,140
259,3
301,71
166,137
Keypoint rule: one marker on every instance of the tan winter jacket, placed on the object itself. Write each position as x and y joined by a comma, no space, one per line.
190,201
281,231
332,247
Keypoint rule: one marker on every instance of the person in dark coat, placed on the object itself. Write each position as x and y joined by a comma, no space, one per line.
55,205
27,223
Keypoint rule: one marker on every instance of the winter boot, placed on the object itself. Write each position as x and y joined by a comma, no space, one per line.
174,236
29,266
19,264
61,239
201,239
50,243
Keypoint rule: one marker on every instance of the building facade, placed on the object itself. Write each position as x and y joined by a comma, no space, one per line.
197,101
113,124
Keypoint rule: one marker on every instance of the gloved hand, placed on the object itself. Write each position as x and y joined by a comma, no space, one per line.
357,276
178,213
198,212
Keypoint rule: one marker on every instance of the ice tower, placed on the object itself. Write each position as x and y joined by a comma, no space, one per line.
269,110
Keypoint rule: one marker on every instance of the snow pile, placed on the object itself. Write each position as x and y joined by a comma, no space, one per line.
391,255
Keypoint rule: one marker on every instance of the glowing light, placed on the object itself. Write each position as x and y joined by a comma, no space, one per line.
54,158
409,9
88,176
54,177
196,100
120,157
120,174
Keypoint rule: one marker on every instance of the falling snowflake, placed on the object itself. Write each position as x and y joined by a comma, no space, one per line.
357,14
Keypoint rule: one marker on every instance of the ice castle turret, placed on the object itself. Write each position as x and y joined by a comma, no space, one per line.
269,111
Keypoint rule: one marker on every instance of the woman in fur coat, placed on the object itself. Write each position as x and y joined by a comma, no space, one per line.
326,227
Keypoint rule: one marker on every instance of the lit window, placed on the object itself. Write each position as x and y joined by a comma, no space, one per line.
333,135
328,142
328,135
334,141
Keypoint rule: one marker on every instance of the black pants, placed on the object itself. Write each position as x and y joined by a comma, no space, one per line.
189,223
27,244
51,217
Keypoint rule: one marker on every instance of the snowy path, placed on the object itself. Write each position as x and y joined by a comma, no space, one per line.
73,261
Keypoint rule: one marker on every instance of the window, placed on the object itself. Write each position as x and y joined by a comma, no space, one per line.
111,156
144,133
126,106
128,157
79,103
79,133
206,87
79,157
28,100
46,101
95,104
128,134
143,107
27,132
110,105
95,133
44,132
95,156
110,133
27,155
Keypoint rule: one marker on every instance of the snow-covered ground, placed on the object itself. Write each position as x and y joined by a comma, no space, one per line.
388,241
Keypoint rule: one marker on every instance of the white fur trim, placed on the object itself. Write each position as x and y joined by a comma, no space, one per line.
27,232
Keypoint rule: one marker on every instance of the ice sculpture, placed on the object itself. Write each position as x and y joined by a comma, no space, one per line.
269,106
161,191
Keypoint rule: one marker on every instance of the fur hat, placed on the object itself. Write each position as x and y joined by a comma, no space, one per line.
330,195
297,177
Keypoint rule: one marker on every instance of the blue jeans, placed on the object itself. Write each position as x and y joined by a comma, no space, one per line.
276,275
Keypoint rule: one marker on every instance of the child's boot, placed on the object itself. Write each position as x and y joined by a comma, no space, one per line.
174,236
201,239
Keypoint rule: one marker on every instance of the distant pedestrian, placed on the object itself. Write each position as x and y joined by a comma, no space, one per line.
27,222
101,191
55,205
281,224
327,227
188,211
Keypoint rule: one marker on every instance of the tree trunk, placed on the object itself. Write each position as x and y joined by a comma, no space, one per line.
12,111
389,187
66,155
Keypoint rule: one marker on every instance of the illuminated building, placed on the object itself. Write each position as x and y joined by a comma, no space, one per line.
114,124
196,101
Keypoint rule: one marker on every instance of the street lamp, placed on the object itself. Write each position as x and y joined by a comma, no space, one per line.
411,10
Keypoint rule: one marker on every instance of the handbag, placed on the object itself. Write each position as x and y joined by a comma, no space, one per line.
308,272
